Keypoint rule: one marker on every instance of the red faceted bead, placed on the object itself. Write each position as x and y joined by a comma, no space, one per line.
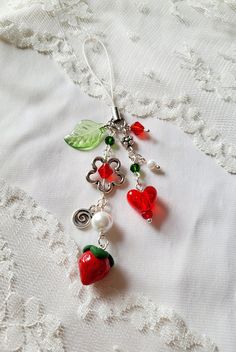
137,128
105,171
147,215
92,269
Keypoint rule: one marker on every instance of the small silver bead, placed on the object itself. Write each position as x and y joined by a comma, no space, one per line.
127,141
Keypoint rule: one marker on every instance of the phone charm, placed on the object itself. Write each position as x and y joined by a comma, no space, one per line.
106,174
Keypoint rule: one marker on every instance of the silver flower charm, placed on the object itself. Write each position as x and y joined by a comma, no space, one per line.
108,173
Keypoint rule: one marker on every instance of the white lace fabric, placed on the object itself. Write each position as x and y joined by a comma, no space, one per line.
185,75
25,326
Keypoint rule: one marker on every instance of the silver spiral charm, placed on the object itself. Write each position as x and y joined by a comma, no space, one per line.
82,218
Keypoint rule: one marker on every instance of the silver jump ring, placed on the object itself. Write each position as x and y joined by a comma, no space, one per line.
103,241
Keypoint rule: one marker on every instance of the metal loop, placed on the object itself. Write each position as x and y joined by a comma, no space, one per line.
102,202
139,185
100,205
103,241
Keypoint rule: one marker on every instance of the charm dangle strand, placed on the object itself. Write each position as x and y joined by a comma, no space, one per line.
106,174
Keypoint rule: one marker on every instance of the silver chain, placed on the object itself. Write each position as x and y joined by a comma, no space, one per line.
107,152
139,185
103,241
100,205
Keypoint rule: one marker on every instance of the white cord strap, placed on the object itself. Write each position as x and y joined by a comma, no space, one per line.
110,93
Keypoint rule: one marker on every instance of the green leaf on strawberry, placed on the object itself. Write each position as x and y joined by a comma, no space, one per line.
99,253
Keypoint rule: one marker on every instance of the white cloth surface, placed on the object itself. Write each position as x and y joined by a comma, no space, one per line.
173,60
185,260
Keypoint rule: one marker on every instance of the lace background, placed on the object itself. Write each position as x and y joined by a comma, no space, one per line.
181,50
176,63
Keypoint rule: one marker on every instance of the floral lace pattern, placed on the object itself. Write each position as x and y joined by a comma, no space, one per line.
144,315
180,111
215,10
209,81
136,309
23,324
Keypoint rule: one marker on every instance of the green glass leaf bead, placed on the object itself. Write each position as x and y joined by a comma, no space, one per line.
135,168
86,136
109,140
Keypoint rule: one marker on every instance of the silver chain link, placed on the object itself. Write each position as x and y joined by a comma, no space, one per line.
139,185
107,152
100,205
121,128
103,241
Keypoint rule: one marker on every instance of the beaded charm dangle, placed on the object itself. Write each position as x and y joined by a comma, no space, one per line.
106,173
95,262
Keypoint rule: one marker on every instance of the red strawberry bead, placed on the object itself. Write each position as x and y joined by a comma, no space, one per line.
92,269
94,264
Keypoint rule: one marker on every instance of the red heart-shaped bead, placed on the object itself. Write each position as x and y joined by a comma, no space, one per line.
151,193
143,200
138,200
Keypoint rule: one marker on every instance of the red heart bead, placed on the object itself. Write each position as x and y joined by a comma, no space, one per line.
143,200
151,193
92,269
138,200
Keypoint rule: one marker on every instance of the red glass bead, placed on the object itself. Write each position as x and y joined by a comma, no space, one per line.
147,215
105,171
143,200
92,269
151,193
138,200
137,128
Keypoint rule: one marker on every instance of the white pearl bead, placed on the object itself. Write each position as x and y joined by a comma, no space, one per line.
101,221
152,165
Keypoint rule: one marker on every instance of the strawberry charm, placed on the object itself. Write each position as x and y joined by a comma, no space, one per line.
94,264
143,201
